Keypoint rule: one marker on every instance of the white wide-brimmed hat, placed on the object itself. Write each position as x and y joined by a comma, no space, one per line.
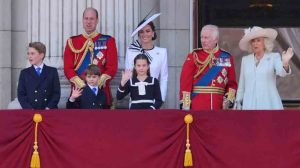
144,22
255,32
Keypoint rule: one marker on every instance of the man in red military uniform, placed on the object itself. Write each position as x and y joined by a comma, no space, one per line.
208,77
91,47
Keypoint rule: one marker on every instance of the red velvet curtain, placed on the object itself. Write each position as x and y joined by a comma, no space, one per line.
151,139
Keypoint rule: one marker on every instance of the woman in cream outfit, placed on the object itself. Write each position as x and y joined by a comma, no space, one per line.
156,55
257,84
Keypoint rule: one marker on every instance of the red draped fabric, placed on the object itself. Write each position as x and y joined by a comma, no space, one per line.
151,139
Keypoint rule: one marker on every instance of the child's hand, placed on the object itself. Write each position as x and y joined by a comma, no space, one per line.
126,75
76,92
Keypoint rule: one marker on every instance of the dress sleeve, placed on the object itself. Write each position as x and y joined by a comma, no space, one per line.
164,76
128,60
187,75
22,93
280,71
157,94
73,105
111,64
69,59
123,90
241,88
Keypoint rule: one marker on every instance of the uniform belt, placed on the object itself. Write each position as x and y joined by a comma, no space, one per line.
208,89
141,101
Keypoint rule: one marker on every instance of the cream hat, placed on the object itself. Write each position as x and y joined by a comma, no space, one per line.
255,32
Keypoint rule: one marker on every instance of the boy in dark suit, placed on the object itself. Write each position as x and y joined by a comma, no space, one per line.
39,86
90,96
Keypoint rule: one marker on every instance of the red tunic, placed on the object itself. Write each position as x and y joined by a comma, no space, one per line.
208,96
107,61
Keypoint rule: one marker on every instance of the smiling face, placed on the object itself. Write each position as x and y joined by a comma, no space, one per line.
90,21
146,34
258,45
141,66
92,80
34,57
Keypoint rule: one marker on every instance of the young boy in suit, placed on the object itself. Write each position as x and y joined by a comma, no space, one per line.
90,96
39,86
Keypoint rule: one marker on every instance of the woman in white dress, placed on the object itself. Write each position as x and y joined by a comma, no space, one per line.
257,84
156,55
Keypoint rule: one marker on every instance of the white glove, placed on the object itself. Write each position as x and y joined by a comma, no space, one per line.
286,56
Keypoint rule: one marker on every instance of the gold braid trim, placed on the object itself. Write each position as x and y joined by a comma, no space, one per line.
103,79
88,45
203,64
70,43
186,100
81,60
77,81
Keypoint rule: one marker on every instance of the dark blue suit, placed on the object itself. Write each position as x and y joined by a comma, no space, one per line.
39,92
88,100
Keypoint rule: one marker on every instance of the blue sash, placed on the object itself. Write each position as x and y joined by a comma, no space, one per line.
211,73
100,44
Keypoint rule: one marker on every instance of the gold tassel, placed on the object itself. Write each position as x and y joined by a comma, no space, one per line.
188,159
35,159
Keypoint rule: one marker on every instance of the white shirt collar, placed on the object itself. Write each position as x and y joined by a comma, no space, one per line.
41,66
91,87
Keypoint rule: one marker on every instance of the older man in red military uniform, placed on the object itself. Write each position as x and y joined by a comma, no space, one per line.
207,79
91,47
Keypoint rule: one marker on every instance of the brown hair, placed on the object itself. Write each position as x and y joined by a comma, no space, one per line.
141,57
92,70
151,24
40,47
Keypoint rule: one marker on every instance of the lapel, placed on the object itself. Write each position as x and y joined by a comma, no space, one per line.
44,73
99,95
89,93
40,79
33,73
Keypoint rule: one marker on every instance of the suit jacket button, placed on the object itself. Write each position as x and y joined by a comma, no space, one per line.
45,99
35,100
45,91
93,104
35,91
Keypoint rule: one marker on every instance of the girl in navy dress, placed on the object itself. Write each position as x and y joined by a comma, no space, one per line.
144,90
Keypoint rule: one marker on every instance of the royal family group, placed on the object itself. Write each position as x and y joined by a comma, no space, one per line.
207,80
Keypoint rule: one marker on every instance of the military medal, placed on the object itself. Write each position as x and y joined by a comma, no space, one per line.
99,55
95,62
96,45
224,72
220,79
